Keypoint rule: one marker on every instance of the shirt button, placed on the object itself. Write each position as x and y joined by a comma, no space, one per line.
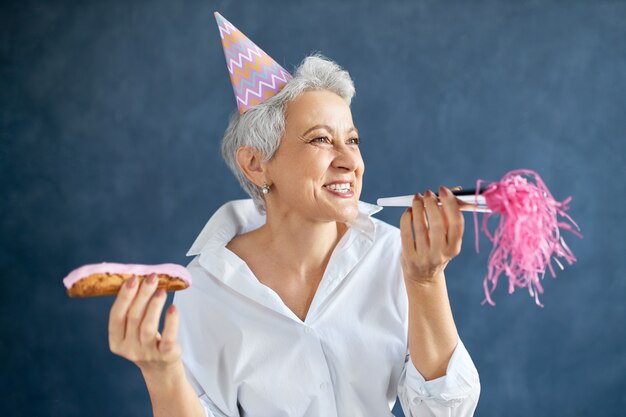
308,330
324,385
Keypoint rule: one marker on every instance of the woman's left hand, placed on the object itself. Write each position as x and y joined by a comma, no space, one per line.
427,249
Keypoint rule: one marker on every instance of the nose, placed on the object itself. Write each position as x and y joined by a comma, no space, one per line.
346,158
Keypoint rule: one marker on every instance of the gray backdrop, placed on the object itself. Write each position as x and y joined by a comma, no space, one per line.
111,117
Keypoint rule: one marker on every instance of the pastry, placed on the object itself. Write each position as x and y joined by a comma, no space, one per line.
106,278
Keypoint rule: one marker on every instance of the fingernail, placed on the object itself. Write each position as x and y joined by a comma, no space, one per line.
172,309
443,191
160,292
130,283
151,279
428,193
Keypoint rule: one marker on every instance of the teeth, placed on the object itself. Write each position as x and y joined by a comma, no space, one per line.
343,187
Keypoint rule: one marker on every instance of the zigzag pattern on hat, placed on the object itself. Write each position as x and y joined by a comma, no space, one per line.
254,74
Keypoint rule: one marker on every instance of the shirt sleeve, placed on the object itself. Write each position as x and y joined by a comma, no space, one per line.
453,395
198,349
210,410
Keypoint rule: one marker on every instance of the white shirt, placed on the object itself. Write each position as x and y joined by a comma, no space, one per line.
247,354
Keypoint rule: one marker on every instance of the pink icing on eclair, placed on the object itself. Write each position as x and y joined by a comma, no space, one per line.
173,270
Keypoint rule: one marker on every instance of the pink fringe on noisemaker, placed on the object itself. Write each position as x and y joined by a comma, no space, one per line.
528,236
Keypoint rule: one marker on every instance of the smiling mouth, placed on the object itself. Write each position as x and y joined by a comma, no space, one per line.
340,187
343,189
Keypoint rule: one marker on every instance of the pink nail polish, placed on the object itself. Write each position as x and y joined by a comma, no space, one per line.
130,283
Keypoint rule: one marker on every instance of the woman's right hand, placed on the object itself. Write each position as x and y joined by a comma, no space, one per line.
134,327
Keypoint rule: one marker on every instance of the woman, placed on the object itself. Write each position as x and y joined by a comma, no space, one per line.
303,304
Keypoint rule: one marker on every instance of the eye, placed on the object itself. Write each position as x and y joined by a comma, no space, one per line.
354,141
321,139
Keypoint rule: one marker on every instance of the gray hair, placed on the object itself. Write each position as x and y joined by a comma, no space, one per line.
263,125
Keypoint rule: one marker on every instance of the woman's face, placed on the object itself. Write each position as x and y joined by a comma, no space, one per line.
317,170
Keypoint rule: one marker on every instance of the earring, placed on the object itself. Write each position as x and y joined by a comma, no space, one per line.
265,189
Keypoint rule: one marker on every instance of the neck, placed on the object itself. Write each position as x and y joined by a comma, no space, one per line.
303,246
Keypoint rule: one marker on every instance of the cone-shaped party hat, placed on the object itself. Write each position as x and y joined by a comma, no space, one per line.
255,76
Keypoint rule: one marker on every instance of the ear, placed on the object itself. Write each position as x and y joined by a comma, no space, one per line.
250,161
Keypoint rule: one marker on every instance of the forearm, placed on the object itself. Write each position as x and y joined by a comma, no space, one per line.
432,332
172,395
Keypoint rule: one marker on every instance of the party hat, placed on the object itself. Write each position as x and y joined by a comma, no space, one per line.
255,76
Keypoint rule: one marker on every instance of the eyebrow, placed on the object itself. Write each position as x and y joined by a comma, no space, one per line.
328,128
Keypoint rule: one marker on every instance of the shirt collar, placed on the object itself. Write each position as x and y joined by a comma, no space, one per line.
241,216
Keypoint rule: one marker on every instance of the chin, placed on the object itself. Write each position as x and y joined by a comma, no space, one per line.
347,214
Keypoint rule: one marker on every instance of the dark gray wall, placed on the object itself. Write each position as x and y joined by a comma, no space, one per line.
111,116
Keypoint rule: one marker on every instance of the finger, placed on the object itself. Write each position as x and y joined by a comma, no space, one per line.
455,221
460,202
436,231
138,307
119,310
457,188
150,324
420,226
406,234
445,196
444,218
170,330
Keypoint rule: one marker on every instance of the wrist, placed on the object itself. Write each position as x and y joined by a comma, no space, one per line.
426,281
163,377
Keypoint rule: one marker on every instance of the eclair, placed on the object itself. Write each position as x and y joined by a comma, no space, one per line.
106,278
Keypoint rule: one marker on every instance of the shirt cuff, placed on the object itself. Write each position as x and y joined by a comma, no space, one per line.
460,381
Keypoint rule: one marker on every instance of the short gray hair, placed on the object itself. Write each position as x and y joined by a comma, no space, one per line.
263,125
